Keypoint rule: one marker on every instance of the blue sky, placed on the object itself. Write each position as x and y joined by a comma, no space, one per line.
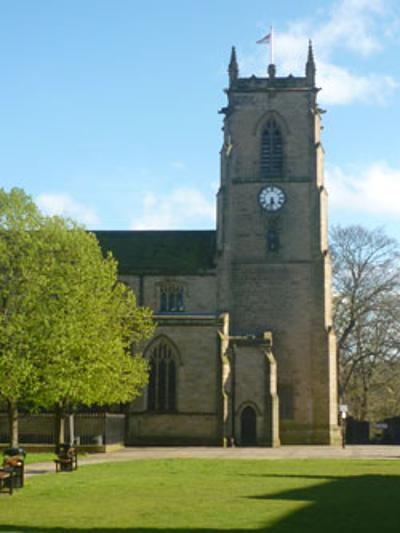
109,108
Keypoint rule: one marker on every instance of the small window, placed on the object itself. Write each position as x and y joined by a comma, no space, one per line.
272,240
286,402
162,379
171,299
271,150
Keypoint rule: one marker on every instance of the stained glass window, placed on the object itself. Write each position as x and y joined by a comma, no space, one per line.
162,380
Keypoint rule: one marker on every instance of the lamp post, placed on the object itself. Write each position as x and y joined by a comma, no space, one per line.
343,410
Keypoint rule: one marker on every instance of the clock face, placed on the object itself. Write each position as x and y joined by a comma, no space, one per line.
271,198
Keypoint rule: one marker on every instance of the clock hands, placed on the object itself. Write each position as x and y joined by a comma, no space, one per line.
271,198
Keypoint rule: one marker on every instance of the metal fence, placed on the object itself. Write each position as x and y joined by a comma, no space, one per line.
89,428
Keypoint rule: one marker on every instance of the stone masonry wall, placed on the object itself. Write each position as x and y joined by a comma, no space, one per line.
198,416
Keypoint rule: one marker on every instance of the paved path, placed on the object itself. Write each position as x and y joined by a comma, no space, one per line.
284,452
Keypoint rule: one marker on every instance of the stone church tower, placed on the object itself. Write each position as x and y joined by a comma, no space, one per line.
244,349
272,248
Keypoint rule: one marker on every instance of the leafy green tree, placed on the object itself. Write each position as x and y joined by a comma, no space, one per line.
93,327
68,328
20,290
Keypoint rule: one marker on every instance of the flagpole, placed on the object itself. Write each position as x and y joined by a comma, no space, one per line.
271,48
269,39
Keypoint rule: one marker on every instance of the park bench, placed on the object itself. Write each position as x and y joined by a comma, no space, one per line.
7,480
14,464
67,458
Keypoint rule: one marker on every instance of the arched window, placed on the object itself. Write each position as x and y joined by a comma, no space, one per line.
271,150
162,381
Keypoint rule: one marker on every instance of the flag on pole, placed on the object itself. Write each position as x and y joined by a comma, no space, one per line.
265,40
269,39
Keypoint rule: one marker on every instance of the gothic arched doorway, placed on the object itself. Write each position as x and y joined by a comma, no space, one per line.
248,426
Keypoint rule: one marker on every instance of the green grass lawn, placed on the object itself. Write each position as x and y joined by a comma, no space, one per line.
39,457
323,496
32,458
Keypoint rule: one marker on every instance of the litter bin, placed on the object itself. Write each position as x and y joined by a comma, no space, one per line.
14,460
67,458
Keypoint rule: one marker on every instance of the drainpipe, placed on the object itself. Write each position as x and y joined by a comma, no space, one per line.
141,289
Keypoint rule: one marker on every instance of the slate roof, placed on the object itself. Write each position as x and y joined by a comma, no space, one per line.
160,252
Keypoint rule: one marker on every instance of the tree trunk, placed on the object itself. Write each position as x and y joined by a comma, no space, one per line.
13,423
59,425
364,404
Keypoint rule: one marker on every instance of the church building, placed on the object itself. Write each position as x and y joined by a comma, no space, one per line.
244,350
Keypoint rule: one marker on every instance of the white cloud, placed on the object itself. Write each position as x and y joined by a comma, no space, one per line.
352,25
357,26
340,86
373,190
64,205
182,208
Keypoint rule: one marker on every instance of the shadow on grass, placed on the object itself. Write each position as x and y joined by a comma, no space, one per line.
359,504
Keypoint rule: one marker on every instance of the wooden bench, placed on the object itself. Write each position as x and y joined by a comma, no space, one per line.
67,459
15,465
7,480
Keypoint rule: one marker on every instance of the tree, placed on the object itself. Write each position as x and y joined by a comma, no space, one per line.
366,286
20,289
67,325
93,324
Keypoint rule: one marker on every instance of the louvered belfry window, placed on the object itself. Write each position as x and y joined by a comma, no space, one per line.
162,381
271,150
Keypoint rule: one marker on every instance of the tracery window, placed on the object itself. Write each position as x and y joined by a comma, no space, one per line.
171,298
162,380
271,150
